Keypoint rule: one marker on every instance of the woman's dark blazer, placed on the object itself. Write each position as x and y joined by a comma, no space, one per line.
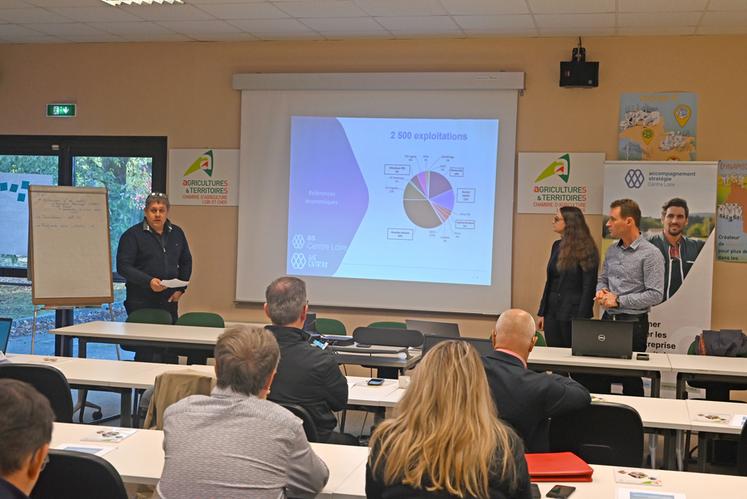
577,289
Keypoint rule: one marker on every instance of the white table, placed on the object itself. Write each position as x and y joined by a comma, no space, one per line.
706,428
139,458
554,358
707,368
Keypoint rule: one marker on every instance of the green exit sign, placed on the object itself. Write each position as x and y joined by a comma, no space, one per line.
61,110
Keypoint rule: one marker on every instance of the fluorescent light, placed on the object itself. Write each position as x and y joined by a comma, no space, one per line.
141,2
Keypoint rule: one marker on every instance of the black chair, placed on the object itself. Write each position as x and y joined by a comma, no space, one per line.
386,337
5,325
72,475
602,433
742,452
309,427
48,381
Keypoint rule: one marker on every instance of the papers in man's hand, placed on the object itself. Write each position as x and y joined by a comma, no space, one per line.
113,435
87,449
636,477
174,283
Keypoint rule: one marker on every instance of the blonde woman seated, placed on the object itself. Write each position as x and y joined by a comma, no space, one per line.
447,440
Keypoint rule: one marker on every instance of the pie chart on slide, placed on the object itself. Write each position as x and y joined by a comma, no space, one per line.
429,199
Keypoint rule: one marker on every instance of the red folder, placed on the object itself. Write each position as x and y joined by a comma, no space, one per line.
558,467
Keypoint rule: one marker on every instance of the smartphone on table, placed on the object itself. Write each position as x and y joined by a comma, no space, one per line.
561,491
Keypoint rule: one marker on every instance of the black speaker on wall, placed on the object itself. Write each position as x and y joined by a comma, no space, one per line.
578,72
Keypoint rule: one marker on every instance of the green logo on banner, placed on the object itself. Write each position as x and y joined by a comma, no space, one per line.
560,167
204,162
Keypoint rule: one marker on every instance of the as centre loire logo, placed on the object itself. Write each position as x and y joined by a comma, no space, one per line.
203,162
560,167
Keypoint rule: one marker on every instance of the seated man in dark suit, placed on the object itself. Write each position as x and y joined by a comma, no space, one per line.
526,399
307,375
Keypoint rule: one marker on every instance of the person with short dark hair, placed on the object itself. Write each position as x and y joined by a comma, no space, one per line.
235,443
679,251
307,375
631,282
26,421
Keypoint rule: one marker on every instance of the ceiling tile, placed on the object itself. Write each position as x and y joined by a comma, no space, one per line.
66,3
226,37
165,37
574,20
321,8
571,7
419,24
101,38
255,10
485,7
267,26
275,36
14,30
655,30
740,29
409,35
647,20
388,8
30,15
65,29
709,18
95,14
38,39
515,23
190,28
356,35
574,32
13,4
348,24
660,5
132,29
526,32
168,13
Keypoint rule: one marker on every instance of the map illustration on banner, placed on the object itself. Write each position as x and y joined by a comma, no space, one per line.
658,127
204,177
548,181
392,198
731,204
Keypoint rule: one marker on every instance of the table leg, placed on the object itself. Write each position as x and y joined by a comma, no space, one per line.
655,386
702,451
125,407
652,449
680,454
681,392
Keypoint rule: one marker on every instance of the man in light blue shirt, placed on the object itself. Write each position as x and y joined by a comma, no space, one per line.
632,279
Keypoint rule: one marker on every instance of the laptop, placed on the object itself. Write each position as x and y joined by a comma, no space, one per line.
447,329
483,346
5,334
598,338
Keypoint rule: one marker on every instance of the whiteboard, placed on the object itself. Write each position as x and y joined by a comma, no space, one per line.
69,252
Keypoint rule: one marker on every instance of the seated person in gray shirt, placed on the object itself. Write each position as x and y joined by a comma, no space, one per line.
235,443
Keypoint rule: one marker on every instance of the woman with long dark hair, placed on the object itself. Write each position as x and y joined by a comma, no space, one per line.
571,277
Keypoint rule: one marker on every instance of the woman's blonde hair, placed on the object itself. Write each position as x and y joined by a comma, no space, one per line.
447,435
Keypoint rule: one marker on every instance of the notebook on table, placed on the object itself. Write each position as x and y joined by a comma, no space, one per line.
558,467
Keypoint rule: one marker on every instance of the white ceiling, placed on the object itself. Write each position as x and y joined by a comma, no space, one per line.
60,21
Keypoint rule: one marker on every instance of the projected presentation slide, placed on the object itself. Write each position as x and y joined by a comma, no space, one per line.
392,199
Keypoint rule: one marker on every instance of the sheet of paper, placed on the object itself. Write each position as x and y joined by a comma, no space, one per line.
647,494
87,449
113,435
712,417
737,420
174,283
636,477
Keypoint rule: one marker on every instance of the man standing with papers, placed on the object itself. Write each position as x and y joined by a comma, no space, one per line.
150,252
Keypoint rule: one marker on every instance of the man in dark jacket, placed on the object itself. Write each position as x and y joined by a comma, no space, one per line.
679,250
307,375
526,399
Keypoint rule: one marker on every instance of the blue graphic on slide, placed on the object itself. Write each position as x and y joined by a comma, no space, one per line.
392,198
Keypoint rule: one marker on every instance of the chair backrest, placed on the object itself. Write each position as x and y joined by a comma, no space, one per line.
205,319
71,475
388,325
309,427
602,433
48,381
5,325
540,340
742,452
385,337
324,325
150,316
172,386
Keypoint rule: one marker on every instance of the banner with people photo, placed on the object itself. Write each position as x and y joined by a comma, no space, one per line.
677,201
732,201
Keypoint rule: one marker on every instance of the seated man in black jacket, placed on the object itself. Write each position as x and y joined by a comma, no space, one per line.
526,399
307,375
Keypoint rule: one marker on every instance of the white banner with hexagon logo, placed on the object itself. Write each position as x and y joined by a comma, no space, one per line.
686,310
